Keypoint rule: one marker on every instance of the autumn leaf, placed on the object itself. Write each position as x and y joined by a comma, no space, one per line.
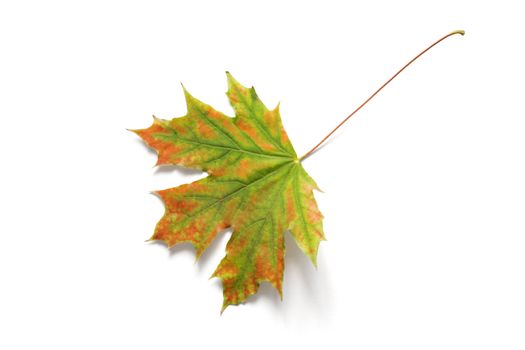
256,185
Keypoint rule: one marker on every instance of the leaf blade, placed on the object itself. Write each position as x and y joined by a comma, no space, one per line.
255,185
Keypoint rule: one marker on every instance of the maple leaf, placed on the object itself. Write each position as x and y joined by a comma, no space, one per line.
256,185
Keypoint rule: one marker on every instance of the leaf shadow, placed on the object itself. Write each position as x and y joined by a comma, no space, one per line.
326,143
169,169
308,292
148,149
181,249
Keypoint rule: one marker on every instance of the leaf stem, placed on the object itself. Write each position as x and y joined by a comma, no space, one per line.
462,32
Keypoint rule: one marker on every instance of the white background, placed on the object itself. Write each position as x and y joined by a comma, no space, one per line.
424,193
